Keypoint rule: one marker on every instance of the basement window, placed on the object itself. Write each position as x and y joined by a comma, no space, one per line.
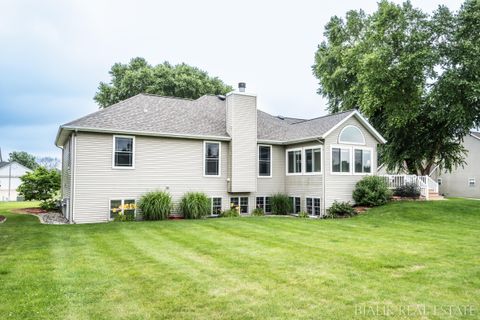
313,206
296,208
216,205
241,202
264,204
119,207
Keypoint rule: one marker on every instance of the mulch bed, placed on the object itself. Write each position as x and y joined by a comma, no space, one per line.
360,209
2,219
30,211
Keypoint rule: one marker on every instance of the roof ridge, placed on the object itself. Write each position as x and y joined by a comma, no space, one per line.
325,116
166,97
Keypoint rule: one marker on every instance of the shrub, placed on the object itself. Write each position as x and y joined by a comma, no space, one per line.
281,204
341,210
121,217
303,214
258,212
41,184
195,205
52,204
371,191
155,205
230,213
410,190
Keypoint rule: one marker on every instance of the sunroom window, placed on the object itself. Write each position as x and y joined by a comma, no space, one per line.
313,161
340,160
294,158
212,158
123,157
363,161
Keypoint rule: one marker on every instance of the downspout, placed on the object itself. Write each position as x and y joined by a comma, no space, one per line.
73,156
324,174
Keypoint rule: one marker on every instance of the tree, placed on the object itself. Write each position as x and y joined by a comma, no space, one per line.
24,158
48,162
41,184
415,76
138,76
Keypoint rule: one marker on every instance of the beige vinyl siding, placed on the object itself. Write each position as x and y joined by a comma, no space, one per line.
175,165
66,169
267,186
242,126
305,185
455,184
340,187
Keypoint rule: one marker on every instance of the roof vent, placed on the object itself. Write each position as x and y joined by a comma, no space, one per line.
281,117
242,86
221,97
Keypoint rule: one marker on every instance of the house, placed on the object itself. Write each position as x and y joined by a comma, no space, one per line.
220,145
10,173
464,181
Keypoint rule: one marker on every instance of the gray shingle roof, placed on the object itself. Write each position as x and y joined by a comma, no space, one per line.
204,117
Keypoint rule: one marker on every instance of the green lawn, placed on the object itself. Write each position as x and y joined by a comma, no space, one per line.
398,256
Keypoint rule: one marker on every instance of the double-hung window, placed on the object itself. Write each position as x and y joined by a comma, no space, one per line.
341,160
294,159
216,205
264,204
295,204
313,160
241,202
212,158
313,206
363,161
264,161
120,207
123,156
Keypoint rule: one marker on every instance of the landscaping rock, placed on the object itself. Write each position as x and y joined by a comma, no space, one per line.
52,218
3,219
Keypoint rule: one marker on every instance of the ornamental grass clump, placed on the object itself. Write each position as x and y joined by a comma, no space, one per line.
155,205
258,212
281,204
195,205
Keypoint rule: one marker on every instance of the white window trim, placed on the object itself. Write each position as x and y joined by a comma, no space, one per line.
304,160
474,182
353,161
211,204
286,162
122,200
271,161
133,152
219,159
336,146
264,203
350,142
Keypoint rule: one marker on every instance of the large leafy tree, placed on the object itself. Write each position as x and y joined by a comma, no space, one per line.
164,79
24,158
415,76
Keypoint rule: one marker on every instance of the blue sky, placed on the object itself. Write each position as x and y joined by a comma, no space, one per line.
53,54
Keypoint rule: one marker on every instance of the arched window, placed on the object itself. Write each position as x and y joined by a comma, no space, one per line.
352,135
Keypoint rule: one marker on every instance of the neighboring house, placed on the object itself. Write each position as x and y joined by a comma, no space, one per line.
10,173
222,146
463,181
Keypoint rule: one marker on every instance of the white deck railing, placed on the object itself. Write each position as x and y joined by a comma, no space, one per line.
425,183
